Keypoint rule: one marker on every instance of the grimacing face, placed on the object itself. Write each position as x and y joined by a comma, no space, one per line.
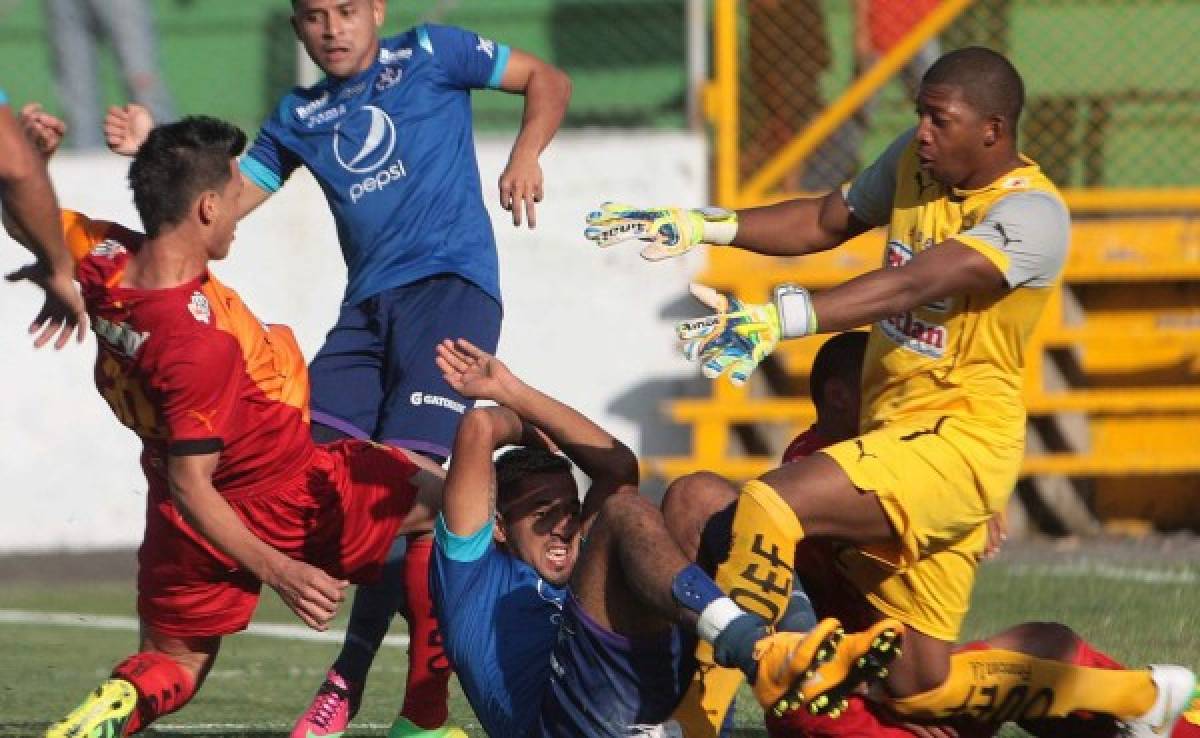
540,524
951,135
341,36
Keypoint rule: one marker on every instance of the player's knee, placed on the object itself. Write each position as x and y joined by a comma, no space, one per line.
690,503
1044,640
698,495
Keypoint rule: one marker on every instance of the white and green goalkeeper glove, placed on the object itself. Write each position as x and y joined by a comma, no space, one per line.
740,335
667,231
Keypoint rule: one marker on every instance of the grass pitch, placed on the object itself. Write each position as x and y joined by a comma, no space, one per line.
1140,607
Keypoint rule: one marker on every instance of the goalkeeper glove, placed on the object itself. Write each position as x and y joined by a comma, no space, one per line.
740,335
667,231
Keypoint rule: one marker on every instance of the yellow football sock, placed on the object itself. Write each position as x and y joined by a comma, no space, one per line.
758,577
996,685
701,713
758,573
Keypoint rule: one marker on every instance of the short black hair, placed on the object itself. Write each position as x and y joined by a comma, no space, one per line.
517,463
989,82
840,356
177,162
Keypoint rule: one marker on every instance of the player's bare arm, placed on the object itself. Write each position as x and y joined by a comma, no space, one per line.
610,464
805,225
950,268
547,90
31,218
469,498
310,593
126,128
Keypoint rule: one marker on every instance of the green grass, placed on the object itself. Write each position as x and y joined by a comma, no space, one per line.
262,683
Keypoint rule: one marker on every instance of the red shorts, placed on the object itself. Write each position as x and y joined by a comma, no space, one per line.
341,515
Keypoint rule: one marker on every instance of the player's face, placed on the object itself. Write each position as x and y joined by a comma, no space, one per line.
225,222
541,526
951,135
341,36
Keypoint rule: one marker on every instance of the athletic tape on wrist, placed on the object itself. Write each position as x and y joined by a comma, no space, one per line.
796,316
720,226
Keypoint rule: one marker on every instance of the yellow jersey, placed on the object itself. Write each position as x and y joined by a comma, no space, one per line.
963,355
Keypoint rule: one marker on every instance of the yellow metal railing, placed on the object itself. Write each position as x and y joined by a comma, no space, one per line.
723,107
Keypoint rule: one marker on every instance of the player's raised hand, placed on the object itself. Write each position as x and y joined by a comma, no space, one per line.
126,128
42,129
521,188
734,339
309,592
666,231
474,372
62,313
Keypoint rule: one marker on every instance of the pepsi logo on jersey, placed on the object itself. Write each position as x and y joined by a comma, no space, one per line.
363,143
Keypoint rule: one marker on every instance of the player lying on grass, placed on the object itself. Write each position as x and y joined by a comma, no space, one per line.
977,236
570,619
835,380
238,494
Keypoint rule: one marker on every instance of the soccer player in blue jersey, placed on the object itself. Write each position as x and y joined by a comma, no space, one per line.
613,650
29,200
387,134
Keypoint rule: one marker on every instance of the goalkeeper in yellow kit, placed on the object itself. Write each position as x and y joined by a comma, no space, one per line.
976,240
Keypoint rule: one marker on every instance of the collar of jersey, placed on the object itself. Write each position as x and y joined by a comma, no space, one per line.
1030,169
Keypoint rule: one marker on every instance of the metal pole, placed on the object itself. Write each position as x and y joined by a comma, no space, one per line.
696,32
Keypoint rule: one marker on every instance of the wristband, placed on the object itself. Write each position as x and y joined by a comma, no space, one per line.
795,308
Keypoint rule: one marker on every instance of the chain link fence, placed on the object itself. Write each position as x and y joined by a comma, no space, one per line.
1112,100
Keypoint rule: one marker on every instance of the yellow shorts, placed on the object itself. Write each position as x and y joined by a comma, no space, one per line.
939,480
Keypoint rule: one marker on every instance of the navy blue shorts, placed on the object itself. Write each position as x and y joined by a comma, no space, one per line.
375,377
602,682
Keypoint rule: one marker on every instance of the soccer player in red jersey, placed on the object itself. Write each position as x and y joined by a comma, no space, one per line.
238,493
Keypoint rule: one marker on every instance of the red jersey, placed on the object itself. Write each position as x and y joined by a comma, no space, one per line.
191,370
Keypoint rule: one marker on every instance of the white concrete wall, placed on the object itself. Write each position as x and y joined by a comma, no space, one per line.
589,327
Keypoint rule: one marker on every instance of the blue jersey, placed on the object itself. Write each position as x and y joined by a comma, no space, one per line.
500,624
393,150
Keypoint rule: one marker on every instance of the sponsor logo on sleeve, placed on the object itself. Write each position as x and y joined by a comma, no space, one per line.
307,109
388,56
486,46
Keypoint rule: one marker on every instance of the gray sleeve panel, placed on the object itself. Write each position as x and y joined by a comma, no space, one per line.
1033,229
872,192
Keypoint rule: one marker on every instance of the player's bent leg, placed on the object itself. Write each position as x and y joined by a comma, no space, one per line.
157,681
997,685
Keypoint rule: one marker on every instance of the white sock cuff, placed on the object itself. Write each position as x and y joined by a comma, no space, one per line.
716,617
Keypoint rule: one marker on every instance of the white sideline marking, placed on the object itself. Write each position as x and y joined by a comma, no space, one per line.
1102,570
119,622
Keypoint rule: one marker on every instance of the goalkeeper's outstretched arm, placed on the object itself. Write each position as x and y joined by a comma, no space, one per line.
805,225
